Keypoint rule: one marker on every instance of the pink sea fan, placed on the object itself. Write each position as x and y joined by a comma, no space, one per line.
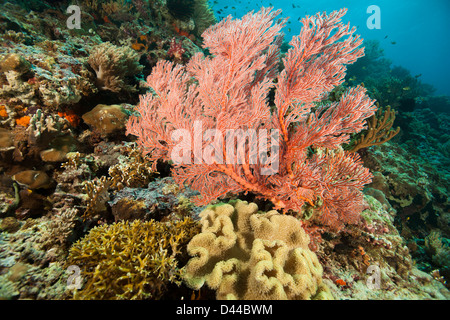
193,108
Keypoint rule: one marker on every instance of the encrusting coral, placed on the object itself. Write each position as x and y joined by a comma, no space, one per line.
244,254
131,260
135,172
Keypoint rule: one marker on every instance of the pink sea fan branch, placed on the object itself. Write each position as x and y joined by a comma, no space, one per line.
314,65
229,90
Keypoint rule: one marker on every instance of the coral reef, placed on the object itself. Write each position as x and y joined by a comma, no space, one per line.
162,199
107,120
131,260
230,86
389,85
41,79
379,130
114,66
243,254
78,194
30,270
350,258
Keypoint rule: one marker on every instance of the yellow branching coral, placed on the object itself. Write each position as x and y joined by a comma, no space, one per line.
379,130
96,196
243,254
131,260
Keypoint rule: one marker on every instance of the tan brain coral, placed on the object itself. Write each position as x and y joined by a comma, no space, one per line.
243,254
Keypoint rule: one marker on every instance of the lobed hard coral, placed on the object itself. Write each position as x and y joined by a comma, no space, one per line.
33,179
48,137
416,190
15,62
115,66
131,170
131,260
243,254
30,271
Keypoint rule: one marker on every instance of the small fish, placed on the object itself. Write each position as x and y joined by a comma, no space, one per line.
289,29
386,36
406,88
419,75
393,42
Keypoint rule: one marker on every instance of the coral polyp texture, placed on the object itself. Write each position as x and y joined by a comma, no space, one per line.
245,254
113,66
131,260
229,90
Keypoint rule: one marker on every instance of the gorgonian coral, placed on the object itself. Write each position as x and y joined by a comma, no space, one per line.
213,119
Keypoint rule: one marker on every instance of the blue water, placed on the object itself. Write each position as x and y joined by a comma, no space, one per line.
418,31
